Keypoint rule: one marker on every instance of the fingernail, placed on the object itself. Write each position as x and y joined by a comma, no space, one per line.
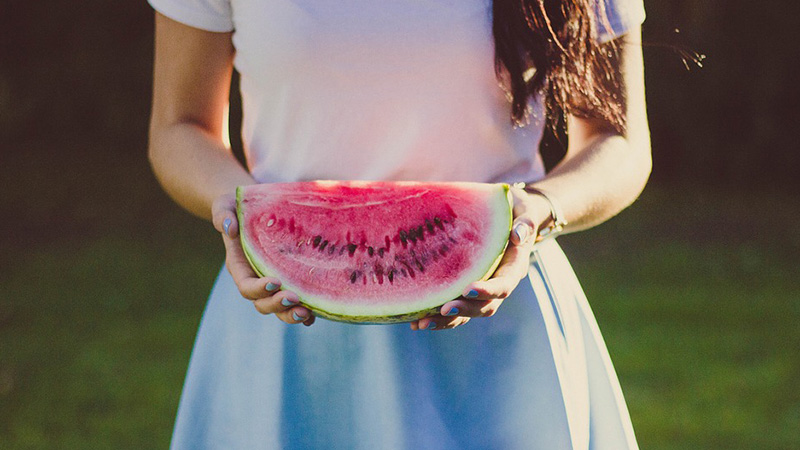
288,301
431,325
472,293
521,230
452,312
298,317
226,225
272,286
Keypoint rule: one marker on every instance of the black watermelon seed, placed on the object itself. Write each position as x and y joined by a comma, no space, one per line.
429,226
412,235
381,251
341,250
323,245
353,277
391,275
351,248
403,271
371,251
404,237
315,243
438,223
407,267
443,250
419,265
331,249
420,233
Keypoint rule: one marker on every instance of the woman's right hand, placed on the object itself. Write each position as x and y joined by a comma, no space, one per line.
264,292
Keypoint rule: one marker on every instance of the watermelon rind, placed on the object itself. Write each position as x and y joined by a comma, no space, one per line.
502,219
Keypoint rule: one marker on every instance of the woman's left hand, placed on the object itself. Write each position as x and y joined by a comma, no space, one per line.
483,298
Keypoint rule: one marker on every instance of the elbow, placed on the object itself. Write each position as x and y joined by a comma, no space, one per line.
155,153
152,147
641,163
156,148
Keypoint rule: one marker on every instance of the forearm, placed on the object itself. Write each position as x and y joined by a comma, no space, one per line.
193,166
599,181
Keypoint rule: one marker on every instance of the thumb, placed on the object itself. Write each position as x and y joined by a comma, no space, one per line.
522,230
230,225
224,216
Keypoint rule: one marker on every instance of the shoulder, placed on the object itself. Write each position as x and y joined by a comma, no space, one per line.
617,17
208,15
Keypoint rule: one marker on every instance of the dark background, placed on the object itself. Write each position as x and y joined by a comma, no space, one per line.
102,278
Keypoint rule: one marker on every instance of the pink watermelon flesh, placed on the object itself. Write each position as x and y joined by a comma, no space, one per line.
374,252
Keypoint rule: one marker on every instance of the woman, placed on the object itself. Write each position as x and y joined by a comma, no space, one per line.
401,90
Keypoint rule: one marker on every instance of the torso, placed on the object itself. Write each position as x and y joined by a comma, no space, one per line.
361,89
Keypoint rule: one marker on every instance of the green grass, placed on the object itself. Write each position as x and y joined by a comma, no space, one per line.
96,337
101,292
698,296
102,286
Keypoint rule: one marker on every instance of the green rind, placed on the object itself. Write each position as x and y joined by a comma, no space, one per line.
375,320
499,258
365,319
260,271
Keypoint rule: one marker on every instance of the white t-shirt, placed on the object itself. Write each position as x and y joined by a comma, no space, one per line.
371,89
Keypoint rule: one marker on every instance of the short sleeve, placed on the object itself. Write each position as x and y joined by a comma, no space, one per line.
617,17
209,15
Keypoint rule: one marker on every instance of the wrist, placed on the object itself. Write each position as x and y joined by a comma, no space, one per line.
540,208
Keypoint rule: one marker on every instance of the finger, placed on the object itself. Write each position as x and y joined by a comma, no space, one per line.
427,323
295,315
529,214
230,225
438,323
250,285
513,267
454,322
494,288
447,323
277,304
522,231
415,325
472,308
224,218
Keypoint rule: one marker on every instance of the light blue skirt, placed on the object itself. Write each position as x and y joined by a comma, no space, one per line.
537,375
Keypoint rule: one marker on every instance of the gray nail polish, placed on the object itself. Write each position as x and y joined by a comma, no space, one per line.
226,225
431,325
288,302
271,286
298,317
521,230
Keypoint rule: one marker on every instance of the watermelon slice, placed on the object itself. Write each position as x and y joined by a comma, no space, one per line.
374,252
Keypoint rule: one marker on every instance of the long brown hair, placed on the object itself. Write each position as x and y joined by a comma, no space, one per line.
573,71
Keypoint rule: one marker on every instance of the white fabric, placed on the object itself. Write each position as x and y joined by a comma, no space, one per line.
375,90
535,376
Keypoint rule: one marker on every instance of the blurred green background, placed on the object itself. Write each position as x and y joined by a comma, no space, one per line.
103,279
